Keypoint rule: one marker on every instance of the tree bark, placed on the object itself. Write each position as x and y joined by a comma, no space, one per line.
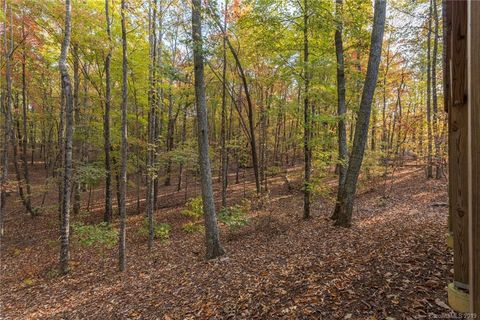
429,96
436,134
107,215
26,176
67,164
341,105
361,130
124,146
184,138
212,238
169,141
8,115
151,122
76,107
159,99
385,146
224,165
307,147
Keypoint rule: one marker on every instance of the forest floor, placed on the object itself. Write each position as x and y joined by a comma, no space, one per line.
392,263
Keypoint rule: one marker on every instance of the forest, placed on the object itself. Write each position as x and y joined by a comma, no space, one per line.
223,159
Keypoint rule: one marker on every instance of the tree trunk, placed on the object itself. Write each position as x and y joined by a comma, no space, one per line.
169,138
224,168
361,130
373,138
384,146
26,175
76,107
107,216
212,238
159,100
341,105
123,152
58,162
8,115
436,132
67,164
137,134
429,96
184,138
264,129
151,122
171,118
307,148
399,115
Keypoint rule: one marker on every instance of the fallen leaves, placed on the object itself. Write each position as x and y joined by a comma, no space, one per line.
392,264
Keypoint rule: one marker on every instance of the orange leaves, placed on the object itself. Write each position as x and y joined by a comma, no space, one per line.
238,9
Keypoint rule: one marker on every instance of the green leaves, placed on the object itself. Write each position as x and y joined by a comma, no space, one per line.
194,211
160,230
100,235
90,174
234,217
194,208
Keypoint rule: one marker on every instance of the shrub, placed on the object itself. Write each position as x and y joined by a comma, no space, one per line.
102,234
193,227
90,174
194,208
160,230
234,217
194,211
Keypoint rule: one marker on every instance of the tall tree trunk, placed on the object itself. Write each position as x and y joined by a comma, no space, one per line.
212,238
33,140
107,215
8,115
76,107
384,100
307,147
137,134
184,138
264,130
361,130
373,138
429,96
251,122
26,175
224,167
151,122
421,133
60,156
159,112
16,140
341,105
169,138
399,115
436,132
123,151
67,164
171,118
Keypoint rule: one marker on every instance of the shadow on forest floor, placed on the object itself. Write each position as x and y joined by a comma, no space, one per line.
393,262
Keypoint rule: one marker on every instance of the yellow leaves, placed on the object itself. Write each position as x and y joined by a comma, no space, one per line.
16,252
28,282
